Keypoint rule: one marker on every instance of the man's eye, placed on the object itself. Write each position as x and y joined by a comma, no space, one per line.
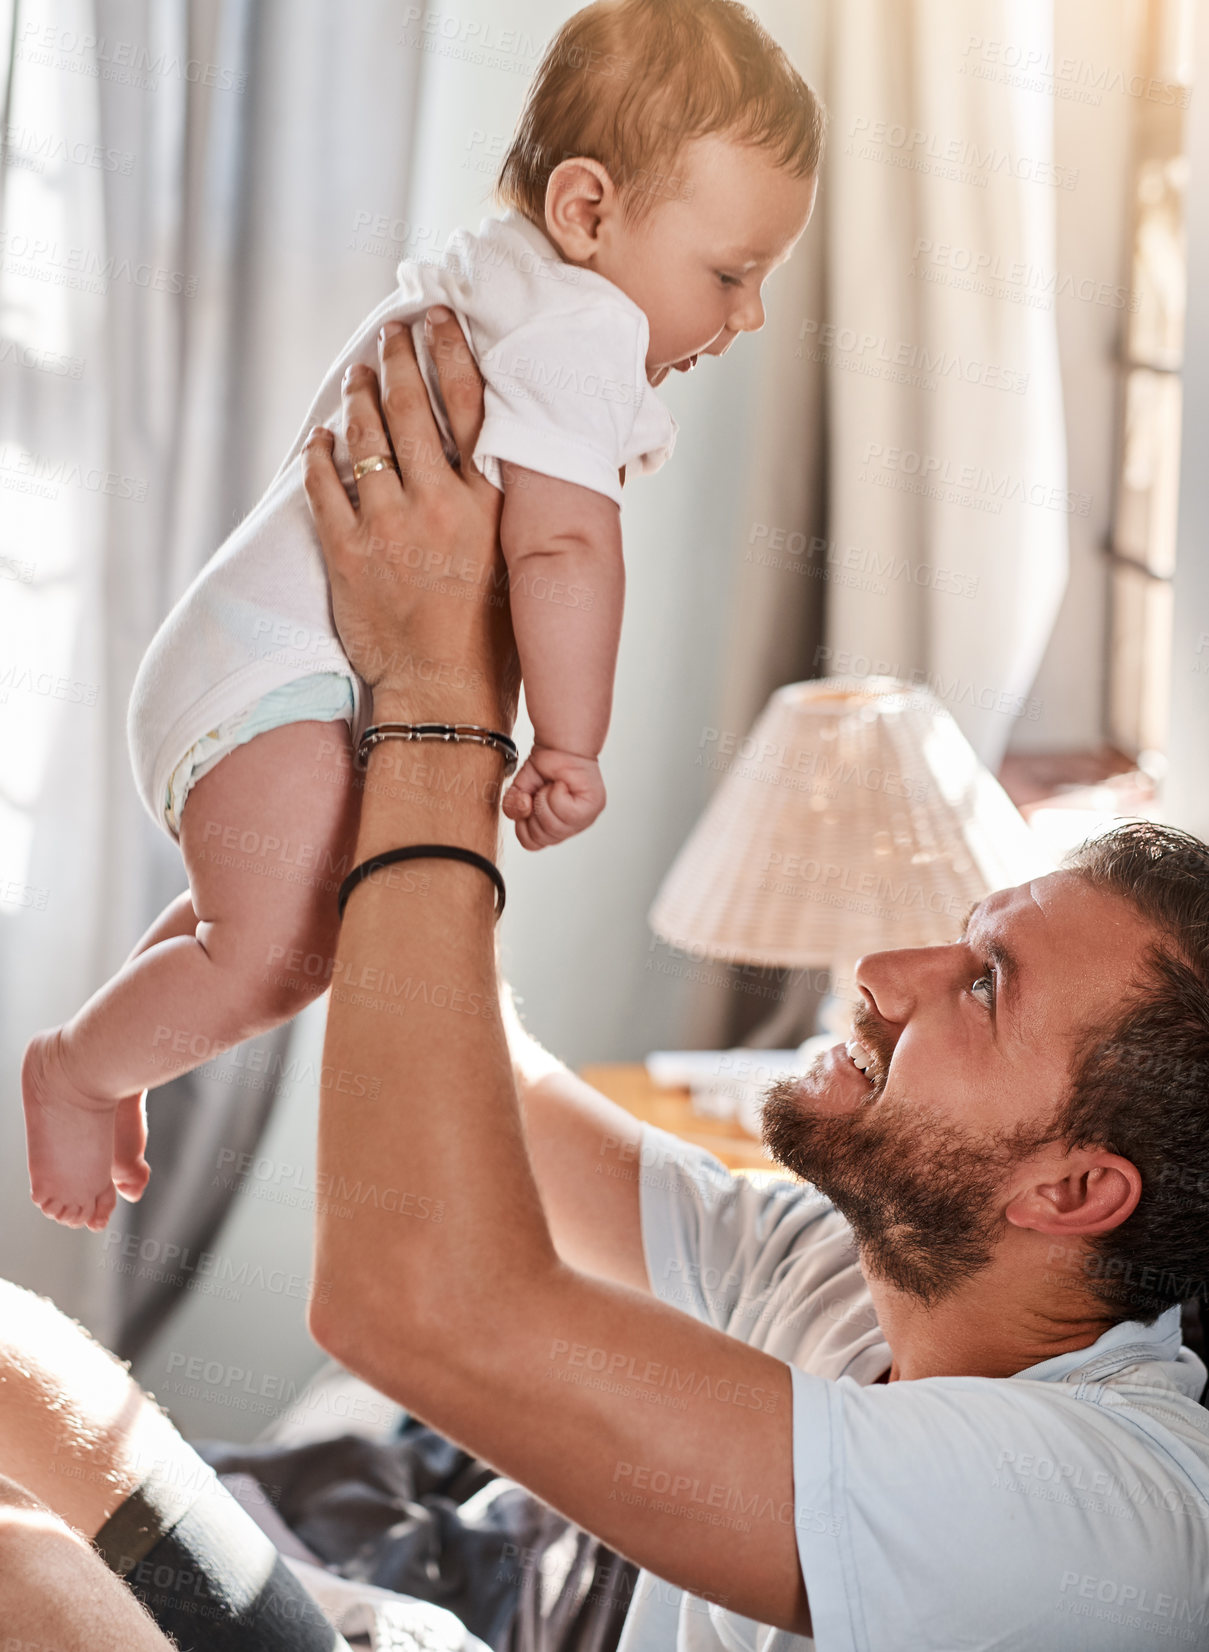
987,981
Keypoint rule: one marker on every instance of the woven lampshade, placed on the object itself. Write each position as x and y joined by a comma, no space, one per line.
854,817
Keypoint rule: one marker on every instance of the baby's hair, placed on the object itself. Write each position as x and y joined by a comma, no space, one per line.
629,82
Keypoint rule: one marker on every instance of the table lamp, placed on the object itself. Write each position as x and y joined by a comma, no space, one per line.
854,817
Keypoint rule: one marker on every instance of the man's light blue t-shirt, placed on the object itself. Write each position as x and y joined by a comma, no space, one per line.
1065,1509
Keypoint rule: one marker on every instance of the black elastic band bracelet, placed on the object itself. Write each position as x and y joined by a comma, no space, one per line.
424,851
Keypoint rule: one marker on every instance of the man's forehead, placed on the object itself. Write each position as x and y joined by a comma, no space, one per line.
1004,905
1053,905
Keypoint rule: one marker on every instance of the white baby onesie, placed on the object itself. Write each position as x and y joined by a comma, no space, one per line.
563,355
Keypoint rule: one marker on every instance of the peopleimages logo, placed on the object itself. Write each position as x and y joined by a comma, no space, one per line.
1015,280
100,56
1035,68
962,160
84,269
936,476
877,356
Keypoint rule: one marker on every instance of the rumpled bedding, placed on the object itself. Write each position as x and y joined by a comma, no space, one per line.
417,1524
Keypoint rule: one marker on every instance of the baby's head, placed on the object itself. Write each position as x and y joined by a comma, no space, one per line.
670,146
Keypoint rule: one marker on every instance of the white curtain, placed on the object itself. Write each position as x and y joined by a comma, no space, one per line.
184,186
948,496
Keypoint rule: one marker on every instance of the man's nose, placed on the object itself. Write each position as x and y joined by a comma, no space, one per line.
895,981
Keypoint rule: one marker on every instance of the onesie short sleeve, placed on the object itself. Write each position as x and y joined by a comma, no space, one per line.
567,395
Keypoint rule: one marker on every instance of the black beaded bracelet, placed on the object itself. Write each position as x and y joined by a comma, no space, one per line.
449,733
424,851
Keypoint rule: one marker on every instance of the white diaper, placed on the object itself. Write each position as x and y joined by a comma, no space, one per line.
322,697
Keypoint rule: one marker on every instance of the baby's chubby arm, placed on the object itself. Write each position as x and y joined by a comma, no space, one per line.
562,544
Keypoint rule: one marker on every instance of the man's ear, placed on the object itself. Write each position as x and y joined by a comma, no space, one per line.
1081,1194
581,203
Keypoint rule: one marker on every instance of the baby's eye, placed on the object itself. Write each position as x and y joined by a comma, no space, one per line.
729,280
988,982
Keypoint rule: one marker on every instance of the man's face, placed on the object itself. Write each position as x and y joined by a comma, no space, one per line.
968,1050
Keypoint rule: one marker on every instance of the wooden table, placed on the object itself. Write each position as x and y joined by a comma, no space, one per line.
629,1084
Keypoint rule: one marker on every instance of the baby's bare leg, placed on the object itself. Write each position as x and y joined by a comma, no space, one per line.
267,836
177,918
130,1170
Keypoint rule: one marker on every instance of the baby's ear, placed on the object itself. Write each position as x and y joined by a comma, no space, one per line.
581,202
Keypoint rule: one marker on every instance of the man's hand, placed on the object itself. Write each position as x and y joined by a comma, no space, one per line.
416,572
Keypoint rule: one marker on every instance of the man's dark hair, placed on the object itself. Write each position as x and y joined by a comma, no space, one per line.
1140,1086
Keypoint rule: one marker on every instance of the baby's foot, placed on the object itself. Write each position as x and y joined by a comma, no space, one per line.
69,1136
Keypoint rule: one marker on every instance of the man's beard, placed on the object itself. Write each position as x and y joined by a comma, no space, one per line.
919,1194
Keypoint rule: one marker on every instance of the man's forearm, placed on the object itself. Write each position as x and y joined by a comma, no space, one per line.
415,1007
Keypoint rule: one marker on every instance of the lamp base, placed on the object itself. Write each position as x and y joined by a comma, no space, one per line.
794,1017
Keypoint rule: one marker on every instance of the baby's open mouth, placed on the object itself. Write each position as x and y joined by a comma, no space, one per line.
688,363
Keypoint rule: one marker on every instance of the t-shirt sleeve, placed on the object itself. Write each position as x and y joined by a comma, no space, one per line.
963,1512
715,1241
566,394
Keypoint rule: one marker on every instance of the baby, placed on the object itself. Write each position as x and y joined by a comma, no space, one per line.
664,164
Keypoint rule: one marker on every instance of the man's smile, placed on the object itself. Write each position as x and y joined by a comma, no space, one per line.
853,1088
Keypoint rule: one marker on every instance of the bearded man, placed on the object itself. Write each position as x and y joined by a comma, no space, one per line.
932,1396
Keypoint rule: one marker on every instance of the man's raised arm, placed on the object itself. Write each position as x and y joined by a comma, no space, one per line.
455,1301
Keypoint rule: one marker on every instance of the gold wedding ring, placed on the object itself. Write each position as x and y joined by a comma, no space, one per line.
379,461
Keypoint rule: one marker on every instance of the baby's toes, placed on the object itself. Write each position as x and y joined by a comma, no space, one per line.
132,1183
102,1210
131,1171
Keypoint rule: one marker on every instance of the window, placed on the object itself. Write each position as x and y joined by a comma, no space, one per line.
1141,552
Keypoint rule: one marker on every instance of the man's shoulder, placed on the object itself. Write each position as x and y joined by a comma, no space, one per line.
770,1261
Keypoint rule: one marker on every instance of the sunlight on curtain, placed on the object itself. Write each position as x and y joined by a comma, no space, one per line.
48,305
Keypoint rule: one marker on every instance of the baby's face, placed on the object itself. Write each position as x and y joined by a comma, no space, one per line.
696,263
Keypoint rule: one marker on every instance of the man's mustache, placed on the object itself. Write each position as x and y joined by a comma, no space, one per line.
876,1038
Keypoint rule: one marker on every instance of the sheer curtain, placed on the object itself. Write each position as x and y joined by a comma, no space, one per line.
949,502
184,185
